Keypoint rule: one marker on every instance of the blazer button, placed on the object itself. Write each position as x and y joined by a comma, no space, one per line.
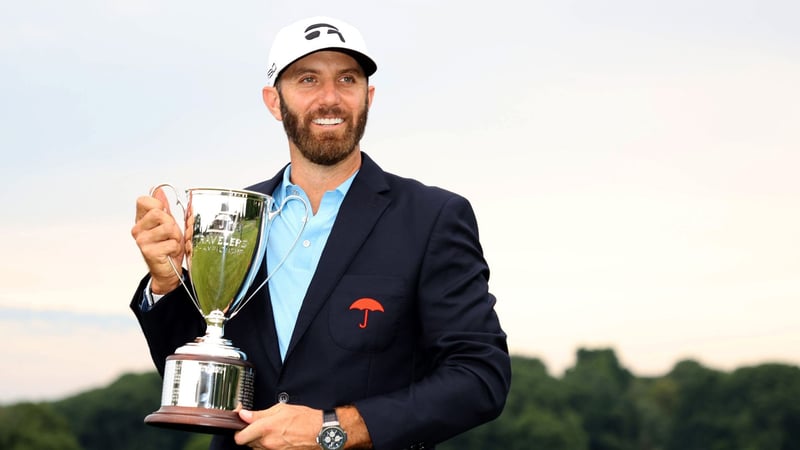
283,397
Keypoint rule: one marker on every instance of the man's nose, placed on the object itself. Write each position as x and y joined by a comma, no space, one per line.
329,93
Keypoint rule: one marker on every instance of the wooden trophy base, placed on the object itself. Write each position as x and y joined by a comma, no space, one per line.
196,420
201,394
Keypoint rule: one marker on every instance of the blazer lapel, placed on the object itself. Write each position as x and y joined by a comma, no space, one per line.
358,214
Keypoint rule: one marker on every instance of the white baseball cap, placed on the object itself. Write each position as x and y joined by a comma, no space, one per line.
312,35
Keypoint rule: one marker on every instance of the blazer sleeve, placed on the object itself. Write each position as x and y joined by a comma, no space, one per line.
170,323
469,372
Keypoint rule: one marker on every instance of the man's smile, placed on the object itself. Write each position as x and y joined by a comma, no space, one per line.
328,121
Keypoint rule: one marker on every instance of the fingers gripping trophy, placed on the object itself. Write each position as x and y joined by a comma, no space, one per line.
226,232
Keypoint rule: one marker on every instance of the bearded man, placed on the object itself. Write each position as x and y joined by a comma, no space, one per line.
428,362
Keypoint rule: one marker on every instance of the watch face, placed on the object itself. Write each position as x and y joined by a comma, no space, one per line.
332,438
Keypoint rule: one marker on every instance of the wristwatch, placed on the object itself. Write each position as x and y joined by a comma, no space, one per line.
331,436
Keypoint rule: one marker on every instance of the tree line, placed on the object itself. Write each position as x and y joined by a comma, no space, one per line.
595,405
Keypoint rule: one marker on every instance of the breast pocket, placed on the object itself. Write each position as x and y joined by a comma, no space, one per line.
366,312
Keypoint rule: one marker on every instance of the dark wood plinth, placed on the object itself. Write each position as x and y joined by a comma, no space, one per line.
196,420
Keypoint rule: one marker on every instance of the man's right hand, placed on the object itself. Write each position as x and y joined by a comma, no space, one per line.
159,238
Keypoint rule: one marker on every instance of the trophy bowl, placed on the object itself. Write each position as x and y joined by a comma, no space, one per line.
205,381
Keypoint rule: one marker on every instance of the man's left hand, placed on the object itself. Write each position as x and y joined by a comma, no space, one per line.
281,427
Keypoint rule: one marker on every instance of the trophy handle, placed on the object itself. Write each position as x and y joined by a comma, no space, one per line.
178,273
273,214
270,216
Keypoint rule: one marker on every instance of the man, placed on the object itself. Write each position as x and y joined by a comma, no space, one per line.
431,363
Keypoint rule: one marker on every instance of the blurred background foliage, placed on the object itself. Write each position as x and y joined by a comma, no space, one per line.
595,405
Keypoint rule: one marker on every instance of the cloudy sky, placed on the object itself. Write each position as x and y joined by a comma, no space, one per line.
633,164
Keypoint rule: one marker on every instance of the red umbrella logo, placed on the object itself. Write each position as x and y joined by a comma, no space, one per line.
366,304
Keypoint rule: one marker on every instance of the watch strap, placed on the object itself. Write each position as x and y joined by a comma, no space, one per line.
329,417
331,436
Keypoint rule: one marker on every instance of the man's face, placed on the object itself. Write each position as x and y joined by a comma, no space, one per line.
324,99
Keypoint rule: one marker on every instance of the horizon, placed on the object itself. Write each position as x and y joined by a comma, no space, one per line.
122,330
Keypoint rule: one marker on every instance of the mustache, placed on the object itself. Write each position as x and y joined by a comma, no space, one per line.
323,111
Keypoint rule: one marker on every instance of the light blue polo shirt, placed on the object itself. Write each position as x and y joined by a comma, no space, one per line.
289,283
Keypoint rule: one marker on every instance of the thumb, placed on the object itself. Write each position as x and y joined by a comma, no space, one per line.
160,195
247,416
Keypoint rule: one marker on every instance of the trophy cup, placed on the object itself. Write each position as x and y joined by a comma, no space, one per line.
225,237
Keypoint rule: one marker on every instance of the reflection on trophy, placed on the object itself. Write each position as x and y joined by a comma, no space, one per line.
206,380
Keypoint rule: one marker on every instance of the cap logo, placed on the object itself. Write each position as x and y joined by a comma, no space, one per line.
271,70
312,32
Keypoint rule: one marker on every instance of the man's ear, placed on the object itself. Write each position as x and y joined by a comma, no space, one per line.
370,95
273,101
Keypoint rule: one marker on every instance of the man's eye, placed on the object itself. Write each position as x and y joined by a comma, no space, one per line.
307,80
348,79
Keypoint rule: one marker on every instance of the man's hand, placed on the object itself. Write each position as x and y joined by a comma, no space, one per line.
282,426
296,427
159,238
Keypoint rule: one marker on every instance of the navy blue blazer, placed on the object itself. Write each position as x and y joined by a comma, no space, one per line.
434,363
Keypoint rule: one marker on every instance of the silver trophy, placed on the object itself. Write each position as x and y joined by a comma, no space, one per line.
205,381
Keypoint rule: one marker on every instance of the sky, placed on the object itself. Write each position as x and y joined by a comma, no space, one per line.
632,164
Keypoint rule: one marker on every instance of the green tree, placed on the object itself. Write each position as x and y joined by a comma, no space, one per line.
198,442
597,388
701,421
655,400
112,418
764,402
34,426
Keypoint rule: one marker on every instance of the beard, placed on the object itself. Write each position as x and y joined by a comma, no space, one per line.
326,148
